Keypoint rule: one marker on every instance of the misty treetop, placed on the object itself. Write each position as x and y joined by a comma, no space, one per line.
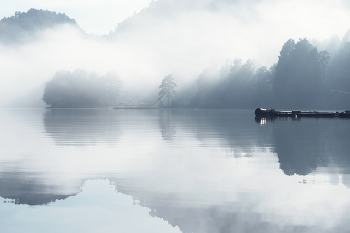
167,88
23,24
82,89
302,78
235,88
298,74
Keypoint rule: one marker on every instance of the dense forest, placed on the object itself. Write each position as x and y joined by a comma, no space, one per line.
23,25
303,78
82,89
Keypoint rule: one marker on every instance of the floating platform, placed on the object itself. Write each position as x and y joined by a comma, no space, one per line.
260,112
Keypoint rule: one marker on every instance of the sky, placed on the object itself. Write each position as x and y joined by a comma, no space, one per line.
94,16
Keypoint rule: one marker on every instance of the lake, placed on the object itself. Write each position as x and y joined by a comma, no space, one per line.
200,171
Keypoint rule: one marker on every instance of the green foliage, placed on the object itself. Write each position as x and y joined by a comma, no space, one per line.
167,88
80,89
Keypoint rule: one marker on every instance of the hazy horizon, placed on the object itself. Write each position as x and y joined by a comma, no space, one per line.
182,38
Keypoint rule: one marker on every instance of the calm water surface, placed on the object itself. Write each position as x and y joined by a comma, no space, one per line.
104,170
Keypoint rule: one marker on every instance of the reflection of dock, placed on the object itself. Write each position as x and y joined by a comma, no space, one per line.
259,112
136,107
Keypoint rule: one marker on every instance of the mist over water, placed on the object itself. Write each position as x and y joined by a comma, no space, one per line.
178,170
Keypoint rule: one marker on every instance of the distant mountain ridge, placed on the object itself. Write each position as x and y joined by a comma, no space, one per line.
23,25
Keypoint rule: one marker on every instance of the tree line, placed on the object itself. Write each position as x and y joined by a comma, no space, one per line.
82,89
303,78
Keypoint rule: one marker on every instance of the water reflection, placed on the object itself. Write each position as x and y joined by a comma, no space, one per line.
232,130
304,145
82,127
264,120
301,147
191,183
32,188
166,124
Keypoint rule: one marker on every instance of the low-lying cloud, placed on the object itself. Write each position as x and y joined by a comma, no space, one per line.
171,37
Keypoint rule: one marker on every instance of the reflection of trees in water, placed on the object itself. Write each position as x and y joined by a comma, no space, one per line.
234,130
27,188
177,210
167,124
172,207
311,143
82,126
300,147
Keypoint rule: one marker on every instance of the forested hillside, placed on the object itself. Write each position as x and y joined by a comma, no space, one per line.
23,25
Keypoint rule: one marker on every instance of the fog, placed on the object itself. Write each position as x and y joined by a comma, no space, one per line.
182,38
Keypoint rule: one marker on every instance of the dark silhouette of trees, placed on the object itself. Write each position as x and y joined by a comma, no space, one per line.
340,66
167,88
262,86
297,81
81,89
300,79
323,60
23,25
236,87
